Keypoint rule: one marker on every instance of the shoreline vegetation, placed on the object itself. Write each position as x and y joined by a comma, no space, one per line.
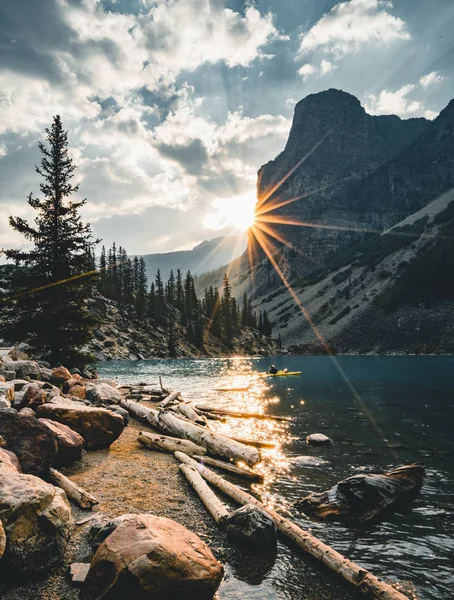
106,437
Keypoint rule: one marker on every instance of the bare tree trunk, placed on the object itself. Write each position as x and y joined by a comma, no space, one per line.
77,494
156,441
239,414
364,581
215,443
140,412
212,503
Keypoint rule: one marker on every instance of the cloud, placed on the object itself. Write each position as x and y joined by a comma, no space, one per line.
352,25
430,79
397,103
191,156
309,70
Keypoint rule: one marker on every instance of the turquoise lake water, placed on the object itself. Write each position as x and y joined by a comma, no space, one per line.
380,412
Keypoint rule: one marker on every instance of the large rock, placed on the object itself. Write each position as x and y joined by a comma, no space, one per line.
60,375
103,393
317,439
9,459
25,368
33,396
152,558
37,520
70,443
251,525
7,374
34,444
16,355
98,427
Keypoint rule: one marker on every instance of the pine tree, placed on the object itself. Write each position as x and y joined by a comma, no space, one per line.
141,288
179,294
226,312
47,310
102,280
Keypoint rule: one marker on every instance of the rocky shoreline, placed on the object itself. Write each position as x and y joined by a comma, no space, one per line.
49,548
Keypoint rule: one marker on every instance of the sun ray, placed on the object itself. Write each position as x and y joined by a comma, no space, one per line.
320,337
269,231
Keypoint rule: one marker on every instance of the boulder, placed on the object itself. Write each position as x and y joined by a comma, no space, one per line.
99,427
103,393
78,391
31,441
119,411
75,371
27,412
100,528
7,374
152,558
251,525
70,444
46,373
16,355
308,461
69,383
2,540
9,459
7,390
19,384
33,396
60,375
25,368
37,520
317,439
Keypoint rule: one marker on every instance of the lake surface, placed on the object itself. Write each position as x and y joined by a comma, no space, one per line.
380,412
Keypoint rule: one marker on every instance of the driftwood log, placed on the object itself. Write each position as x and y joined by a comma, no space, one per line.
254,443
364,581
364,497
141,412
155,441
212,503
239,414
225,466
187,411
74,492
215,443
170,398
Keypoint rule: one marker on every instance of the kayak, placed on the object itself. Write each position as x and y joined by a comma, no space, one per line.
280,374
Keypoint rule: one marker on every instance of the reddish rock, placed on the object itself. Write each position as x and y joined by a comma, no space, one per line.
78,391
34,444
9,459
60,375
99,427
70,443
33,396
152,558
2,379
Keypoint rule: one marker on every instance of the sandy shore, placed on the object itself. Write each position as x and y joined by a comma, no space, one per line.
130,479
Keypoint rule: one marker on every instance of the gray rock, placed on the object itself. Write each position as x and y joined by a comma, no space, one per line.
119,411
103,393
8,374
318,439
251,525
25,368
19,384
308,461
4,403
75,371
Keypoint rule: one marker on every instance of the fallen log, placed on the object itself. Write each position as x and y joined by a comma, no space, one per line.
187,411
240,415
364,497
212,503
164,443
215,443
163,389
74,492
364,581
254,443
225,466
141,412
169,399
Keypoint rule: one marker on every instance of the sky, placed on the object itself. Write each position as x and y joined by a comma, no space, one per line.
172,106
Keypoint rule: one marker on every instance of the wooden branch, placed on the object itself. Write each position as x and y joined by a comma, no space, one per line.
212,503
215,443
364,581
239,414
254,443
163,389
186,410
77,494
225,466
170,398
168,444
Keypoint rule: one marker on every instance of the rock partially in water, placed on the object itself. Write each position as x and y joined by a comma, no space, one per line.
31,441
99,427
37,520
308,461
317,439
152,558
251,525
364,497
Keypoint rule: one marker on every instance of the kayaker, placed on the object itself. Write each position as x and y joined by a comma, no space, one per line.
272,370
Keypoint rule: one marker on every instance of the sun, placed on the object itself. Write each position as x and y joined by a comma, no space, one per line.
237,212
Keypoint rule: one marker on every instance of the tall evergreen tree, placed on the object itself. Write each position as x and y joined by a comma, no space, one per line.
47,310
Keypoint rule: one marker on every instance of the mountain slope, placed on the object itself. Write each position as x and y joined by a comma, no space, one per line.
204,257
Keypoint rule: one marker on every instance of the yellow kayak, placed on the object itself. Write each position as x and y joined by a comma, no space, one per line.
280,374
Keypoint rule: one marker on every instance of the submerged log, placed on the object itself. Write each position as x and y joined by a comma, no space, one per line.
74,492
364,581
239,414
164,443
212,503
364,497
225,466
215,443
254,443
